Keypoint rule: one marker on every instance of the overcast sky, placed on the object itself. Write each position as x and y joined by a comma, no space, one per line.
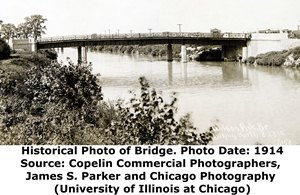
71,17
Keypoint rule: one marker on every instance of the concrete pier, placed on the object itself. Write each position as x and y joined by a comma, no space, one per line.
245,53
183,54
79,51
82,55
169,53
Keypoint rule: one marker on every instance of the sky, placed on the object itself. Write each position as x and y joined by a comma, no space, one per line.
76,17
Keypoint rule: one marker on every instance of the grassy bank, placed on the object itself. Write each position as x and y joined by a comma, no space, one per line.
286,58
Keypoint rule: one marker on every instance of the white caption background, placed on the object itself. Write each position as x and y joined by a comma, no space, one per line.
13,176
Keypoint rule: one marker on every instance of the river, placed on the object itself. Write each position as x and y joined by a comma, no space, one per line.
250,105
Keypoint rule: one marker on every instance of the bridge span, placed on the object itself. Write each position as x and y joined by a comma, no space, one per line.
232,43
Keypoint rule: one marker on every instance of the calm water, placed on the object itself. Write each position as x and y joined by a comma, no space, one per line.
249,104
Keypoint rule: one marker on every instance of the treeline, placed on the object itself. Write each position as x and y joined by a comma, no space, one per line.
33,26
152,50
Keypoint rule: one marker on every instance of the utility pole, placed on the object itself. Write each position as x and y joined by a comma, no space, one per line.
179,26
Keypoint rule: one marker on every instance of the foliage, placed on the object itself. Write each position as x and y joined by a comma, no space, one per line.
49,104
8,31
63,104
251,60
149,120
4,50
23,31
33,26
276,58
36,24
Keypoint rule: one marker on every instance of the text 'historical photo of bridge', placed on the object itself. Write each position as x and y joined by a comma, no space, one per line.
141,72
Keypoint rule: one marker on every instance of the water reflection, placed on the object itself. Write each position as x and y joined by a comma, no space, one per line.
184,71
170,72
241,97
232,72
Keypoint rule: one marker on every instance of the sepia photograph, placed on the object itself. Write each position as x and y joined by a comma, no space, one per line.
141,72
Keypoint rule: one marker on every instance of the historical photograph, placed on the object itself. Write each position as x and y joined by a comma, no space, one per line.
141,72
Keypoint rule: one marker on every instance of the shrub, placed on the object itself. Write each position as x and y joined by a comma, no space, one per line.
59,104
149,120
251,60
50,104
4,50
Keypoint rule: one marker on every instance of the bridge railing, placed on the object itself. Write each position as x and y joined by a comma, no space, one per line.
146,35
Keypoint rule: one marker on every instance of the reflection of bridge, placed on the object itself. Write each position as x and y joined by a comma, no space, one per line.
231,43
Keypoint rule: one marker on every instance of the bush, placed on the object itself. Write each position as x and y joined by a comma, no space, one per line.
59,104
49,105
149,120
4,50
251,60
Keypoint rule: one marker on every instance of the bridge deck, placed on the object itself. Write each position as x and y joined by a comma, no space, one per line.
144,39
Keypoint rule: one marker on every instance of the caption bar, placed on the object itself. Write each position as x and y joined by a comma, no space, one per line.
59,170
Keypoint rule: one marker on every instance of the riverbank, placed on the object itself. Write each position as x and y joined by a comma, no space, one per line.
204,53
285,58
45,102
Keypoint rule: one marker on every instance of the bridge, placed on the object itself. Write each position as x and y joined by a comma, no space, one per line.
232,43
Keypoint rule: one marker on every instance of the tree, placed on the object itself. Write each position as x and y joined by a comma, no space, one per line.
8,31
4,50
36,25
23,31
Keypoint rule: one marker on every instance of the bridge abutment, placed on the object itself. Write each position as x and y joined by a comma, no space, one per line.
169,53
33,44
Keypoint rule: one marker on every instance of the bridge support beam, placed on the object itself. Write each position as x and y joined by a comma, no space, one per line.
169,53
183,54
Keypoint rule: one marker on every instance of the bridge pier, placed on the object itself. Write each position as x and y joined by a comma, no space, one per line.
169,53
82,54
245,53
183,54
79,52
